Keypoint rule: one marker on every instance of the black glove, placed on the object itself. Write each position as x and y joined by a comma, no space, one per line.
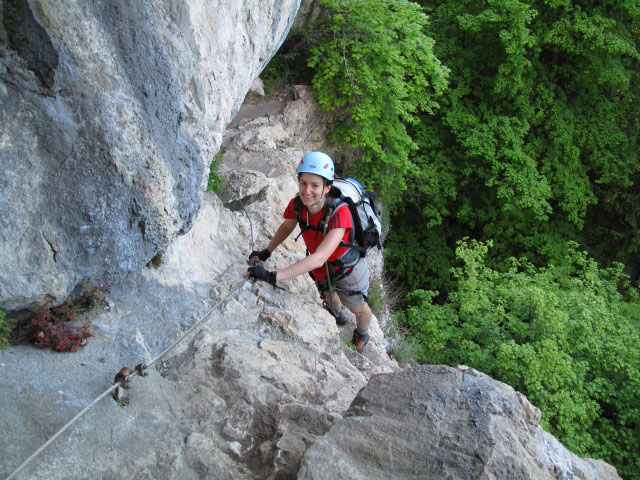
262,273
262,255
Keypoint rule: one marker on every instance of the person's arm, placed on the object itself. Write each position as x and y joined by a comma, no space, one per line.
316,259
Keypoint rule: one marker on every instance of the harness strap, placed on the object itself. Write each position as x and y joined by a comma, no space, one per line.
331,288
330,303
323,227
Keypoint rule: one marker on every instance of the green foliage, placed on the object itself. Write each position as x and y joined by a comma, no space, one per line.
287,67
156,260
5,331
419,256
536,139
566,336
375,68
216,181
375,297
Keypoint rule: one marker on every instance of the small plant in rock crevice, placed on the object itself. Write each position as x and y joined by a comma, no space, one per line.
215,180
54,327
156,260
5,331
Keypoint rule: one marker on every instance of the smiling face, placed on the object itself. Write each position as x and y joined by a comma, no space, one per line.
311,188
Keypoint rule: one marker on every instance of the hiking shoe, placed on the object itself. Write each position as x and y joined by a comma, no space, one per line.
341,319
359,341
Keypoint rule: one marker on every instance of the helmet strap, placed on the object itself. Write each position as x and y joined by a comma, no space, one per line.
323,198
317,203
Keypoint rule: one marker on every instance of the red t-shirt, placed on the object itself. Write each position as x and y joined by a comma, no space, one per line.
313,238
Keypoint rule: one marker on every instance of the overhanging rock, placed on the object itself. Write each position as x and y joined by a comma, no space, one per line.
111,113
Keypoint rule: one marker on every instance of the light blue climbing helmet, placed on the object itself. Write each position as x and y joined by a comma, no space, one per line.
318,163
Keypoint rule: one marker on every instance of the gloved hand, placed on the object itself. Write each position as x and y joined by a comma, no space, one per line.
261,255
262,273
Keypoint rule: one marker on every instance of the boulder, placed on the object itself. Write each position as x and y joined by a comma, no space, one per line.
435,422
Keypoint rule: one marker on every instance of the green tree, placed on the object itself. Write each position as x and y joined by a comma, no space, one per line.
536,139
565,336
374,67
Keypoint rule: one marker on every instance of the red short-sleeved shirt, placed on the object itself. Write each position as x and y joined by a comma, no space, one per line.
313,238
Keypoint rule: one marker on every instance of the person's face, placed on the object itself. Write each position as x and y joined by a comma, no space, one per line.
311,188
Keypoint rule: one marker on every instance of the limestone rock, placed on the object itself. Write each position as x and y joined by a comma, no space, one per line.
437,422
264,388
111,113
242,397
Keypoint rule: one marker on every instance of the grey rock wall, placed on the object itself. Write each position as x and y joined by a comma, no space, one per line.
111,112
267,388
244,395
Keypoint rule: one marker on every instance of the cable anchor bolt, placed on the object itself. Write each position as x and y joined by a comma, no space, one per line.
122,377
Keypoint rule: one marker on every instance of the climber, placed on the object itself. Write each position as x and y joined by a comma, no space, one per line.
345,286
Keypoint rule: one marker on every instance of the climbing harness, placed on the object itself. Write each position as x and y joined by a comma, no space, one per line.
122,381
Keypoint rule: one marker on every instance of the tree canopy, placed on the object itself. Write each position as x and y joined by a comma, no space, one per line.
536,139
376,68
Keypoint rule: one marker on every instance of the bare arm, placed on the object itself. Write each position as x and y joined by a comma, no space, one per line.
316,259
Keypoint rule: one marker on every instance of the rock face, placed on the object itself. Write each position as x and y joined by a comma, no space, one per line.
111,113
437,422
267,387
242,397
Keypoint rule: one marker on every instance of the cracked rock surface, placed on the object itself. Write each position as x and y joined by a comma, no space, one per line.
111,114
267,388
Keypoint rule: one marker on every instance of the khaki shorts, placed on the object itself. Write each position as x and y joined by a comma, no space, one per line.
353,288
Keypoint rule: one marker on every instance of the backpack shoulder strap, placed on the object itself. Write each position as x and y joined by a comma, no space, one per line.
297,207
331,212
355,219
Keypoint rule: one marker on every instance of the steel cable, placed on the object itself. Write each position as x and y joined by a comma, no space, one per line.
135,373
61,431
116,385
202,320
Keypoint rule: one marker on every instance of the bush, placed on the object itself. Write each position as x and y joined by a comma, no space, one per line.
55,327
566,336
216,181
